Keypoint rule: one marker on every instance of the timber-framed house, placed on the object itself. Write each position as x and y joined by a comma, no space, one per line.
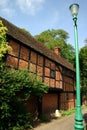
55,71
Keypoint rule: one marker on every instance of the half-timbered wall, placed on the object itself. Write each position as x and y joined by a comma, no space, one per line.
67,97
54,75
22,57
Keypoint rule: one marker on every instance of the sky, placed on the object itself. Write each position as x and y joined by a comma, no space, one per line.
37,16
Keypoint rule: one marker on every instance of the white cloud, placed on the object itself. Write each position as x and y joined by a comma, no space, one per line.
5,8
3,3
30,6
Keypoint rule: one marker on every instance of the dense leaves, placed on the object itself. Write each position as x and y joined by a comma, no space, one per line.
85,42
15,89
83,68
57,38
4,47
26,31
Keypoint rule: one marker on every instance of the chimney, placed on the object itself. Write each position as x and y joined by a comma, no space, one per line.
57,50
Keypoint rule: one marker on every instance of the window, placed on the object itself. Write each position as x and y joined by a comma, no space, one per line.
67,96
52,74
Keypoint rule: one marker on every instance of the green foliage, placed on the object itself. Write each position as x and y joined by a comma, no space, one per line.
48,35
4,47
15,89
83,69
70,111
67,112
85,42
26,31
57,38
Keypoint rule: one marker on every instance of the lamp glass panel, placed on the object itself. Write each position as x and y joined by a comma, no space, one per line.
74,9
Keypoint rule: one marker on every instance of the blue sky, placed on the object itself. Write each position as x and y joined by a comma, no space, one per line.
37,16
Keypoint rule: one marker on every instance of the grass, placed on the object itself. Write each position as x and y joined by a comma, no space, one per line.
69,112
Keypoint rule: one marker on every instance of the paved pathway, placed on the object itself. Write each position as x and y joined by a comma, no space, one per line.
65,123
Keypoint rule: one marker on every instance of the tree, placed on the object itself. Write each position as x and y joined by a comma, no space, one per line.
85,42
83,69
4,47
26,31
57,38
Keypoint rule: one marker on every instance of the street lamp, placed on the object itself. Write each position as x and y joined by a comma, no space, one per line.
78,117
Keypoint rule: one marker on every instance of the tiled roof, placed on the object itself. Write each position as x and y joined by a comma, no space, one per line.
28,40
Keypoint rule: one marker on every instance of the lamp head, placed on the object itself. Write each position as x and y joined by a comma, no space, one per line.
74,9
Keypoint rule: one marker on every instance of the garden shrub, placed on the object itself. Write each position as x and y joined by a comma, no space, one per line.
4,47
16,86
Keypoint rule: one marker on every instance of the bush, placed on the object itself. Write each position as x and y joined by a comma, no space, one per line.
4,47
15,88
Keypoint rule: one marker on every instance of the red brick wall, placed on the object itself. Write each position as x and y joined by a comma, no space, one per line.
68,83
33,57
24,53
22,57
15,48
12,61
23,64
32,67
40,60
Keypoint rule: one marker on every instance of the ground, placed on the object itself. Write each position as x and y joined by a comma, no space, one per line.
64,123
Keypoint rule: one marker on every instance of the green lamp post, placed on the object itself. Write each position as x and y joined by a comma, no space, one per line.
78,117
